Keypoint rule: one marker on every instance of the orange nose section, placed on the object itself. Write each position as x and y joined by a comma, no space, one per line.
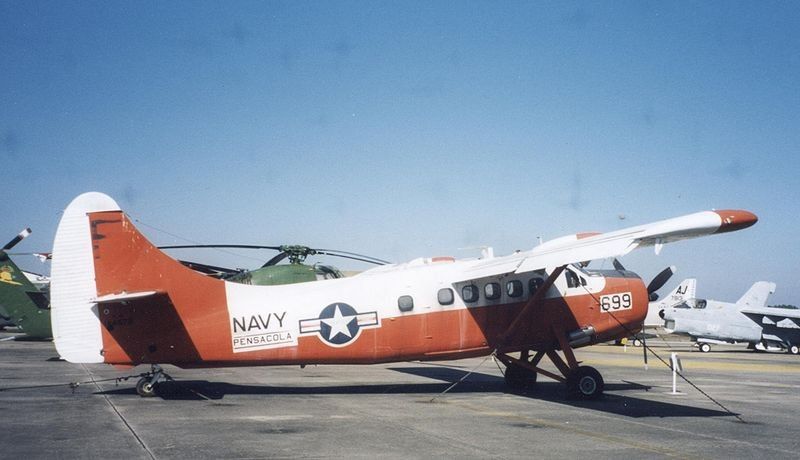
735,219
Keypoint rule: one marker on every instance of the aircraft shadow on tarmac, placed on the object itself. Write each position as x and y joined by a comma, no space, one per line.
475,383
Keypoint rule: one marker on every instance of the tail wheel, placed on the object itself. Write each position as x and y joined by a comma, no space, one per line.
520,378
793,349
585,383
705,348
144,388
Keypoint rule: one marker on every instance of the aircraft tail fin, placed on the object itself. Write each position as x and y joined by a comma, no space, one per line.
76,323
118,299
685,291
757,295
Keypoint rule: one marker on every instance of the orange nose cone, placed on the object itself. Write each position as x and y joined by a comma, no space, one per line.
735,219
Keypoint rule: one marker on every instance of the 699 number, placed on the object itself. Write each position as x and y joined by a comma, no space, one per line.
616,302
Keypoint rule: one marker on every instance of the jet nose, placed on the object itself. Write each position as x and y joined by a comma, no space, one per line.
735,219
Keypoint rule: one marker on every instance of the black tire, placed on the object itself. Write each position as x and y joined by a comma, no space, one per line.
637,343
705,348
793,349
585,383
519,378
145,389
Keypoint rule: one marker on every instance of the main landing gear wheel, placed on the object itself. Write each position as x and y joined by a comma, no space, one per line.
518,377
705,348
793,349
585,383
144,388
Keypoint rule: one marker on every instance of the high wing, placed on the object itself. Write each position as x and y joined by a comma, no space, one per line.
591,246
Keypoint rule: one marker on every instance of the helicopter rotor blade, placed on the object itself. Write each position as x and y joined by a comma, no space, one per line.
21,236
211,270
284,252
353,255
229,246
276,259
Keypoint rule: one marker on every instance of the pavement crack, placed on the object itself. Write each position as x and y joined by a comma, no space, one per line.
119,414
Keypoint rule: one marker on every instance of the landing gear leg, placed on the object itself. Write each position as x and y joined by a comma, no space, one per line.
583,382
147,385
521,373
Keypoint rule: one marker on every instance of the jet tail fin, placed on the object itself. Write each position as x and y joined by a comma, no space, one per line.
756,296
686,290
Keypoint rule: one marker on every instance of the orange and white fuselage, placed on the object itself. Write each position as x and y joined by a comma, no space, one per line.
117,299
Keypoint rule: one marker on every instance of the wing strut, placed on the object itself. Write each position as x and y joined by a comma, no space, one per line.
536,299
583,382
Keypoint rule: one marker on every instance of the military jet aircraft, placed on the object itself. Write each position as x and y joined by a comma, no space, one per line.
683,294
747,320
117,299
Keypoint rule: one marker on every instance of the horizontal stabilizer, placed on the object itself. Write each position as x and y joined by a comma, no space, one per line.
124,297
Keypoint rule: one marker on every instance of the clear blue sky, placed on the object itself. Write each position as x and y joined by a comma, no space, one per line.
406,129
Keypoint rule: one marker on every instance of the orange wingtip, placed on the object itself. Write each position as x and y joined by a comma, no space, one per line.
735,219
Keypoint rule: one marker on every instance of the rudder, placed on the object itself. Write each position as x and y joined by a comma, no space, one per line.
76,325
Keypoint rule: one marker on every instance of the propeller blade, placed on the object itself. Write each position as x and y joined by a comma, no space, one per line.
660,279
21,236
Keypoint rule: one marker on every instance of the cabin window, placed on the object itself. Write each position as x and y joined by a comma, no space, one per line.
470,293
445,296
534,284
572,279
492,291
405,303
514,288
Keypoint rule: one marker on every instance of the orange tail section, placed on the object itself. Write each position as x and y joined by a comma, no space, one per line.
118,299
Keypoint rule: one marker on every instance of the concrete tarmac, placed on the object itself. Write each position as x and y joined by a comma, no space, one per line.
397,410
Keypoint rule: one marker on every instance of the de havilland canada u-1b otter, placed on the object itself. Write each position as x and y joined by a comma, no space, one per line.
117,299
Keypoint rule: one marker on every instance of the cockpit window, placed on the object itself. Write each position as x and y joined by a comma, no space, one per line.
534,284
700,304
572,279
